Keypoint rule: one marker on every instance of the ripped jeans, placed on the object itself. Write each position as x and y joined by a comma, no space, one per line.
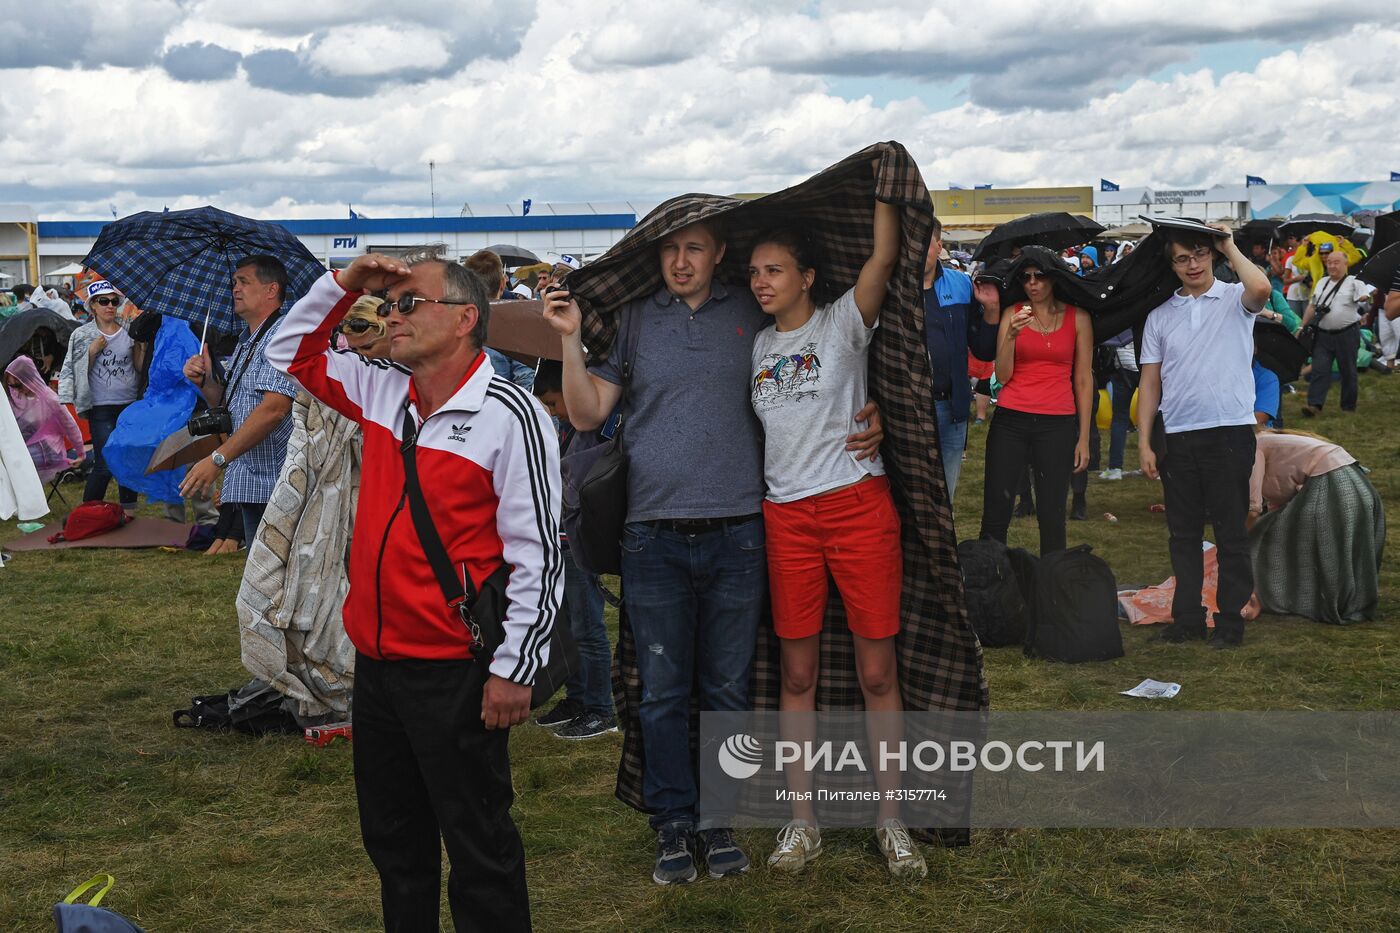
694,603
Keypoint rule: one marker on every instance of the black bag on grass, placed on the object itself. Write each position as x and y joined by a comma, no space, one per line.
261,715
1074,616
996,606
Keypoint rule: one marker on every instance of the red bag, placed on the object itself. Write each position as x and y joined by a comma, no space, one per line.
89,520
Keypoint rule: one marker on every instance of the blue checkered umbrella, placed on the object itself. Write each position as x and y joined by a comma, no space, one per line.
181,263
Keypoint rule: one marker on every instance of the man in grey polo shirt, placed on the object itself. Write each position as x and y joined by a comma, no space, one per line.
1196,357
693,559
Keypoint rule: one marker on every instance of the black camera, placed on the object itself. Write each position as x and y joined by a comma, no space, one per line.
211,421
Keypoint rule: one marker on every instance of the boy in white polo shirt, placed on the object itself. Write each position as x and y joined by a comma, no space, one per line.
1195,364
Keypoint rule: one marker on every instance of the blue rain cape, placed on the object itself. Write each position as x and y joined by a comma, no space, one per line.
164,409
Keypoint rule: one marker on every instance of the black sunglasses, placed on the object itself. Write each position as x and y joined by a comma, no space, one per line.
109,302
406,303
1032,275
358,325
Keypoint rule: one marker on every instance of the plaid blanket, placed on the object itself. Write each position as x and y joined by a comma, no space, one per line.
939,657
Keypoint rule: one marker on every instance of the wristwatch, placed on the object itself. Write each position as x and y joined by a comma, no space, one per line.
219,459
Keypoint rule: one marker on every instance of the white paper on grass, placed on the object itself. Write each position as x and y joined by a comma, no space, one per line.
1153,690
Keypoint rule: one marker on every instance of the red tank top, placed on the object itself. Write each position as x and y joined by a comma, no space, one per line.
1043,381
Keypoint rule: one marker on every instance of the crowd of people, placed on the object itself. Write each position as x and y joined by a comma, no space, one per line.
456,532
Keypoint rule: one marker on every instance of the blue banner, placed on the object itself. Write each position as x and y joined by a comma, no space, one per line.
1106,185
1252,180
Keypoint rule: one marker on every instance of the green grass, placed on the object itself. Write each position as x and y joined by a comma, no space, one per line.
222,833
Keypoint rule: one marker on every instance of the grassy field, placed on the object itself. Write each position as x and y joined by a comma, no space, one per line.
224,833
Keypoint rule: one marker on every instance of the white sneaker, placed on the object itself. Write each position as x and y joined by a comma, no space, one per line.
901,855
799,842
1114,473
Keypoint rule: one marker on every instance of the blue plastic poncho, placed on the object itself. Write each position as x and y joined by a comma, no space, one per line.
163,410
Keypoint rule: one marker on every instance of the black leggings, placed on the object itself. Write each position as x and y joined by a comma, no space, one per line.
1045,443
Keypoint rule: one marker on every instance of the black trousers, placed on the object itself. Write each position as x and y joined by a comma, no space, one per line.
1202,471
1341,346
427,768
1045,443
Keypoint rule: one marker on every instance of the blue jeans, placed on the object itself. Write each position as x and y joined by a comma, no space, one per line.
1121,388
591,683
252,513
952,441
694,603
102,421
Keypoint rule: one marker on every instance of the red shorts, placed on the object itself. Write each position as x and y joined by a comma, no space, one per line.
853,533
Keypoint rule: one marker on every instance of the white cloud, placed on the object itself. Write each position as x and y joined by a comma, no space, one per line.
377,49
648,100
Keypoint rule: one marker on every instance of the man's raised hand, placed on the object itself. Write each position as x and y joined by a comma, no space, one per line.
562,313
372,272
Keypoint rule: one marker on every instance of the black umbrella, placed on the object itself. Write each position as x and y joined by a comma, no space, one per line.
512,255
1053,230
1304,224
1258,231
1278,350
37,333
1387,231
1380,270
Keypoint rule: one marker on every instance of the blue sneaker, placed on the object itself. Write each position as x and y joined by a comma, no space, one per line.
675,863
722,854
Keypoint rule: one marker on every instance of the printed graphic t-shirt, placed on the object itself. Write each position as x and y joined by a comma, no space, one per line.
807,386
112,375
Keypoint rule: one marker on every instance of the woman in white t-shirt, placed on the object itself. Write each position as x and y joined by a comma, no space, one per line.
825,511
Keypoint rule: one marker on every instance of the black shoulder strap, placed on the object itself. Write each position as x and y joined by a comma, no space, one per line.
460,592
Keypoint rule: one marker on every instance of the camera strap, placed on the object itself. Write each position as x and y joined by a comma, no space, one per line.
1324,304
248,360
460,592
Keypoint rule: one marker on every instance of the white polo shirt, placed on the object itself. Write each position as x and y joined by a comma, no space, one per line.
1205,346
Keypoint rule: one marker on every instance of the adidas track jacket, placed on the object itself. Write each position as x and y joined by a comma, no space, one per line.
488,462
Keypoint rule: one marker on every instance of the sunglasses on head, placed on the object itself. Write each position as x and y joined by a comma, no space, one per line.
1032,275
358,326
109,302
407,303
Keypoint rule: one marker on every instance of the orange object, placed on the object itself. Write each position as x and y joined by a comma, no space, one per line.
1153,604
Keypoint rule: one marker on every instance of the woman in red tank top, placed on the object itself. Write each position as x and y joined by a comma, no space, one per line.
1044,362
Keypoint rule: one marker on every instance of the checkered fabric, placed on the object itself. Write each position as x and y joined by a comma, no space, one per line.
940,659
181,263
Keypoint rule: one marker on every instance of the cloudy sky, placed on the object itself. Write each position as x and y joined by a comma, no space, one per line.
294,108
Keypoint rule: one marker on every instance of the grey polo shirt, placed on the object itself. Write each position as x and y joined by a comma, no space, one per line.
694,446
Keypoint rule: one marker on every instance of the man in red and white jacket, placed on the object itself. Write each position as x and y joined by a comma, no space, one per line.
431,740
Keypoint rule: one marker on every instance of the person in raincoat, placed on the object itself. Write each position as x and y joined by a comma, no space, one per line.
50,433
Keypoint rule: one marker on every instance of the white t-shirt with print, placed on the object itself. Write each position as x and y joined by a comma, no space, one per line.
807,386
112,375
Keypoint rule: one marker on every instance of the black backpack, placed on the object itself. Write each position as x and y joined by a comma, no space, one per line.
1075,611
996,600
262,715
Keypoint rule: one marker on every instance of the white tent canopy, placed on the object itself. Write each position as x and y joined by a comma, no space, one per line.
73,268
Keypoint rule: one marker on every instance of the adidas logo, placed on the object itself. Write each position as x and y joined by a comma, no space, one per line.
459,433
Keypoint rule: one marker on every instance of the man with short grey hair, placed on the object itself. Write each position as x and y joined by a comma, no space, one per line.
1337,305
450,446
